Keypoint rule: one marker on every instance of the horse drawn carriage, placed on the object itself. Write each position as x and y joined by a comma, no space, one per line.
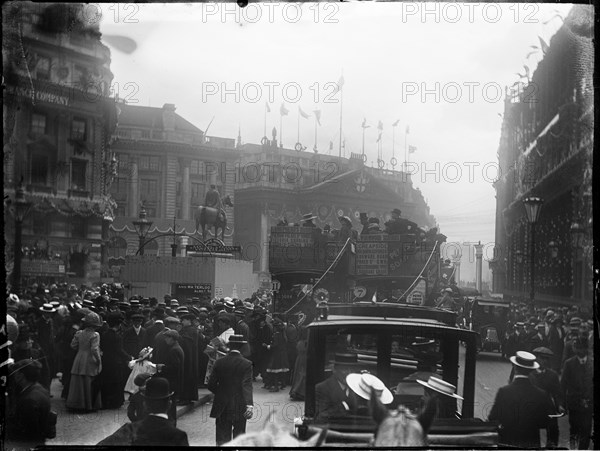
398,344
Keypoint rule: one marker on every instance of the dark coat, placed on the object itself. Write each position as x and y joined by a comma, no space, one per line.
151,431
522,410
114,366
189,344
330,398
577,384
28,417
136,410
556,343
133,343
231,382
151,332
173,359
241,328
548,381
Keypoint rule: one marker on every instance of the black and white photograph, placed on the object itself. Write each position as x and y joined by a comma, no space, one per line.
276,224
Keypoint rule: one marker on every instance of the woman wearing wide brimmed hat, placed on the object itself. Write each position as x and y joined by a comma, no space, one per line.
83,393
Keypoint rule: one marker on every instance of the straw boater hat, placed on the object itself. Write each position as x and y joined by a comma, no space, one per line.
144,353
47,308
440,386
308,217
345,219
525,360
236,339
361,384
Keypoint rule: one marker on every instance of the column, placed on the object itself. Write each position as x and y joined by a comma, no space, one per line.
479,265
264,237
134,192
185,188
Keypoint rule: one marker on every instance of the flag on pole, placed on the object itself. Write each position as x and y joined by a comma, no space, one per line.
318,116
340,85
407,129
302,113
283,110
412,149
364,124
267,107
395,123
380,126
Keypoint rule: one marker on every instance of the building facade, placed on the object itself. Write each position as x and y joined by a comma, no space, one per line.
546,151
58,119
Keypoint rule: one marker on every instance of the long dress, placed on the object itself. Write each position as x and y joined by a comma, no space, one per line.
86,367
299,379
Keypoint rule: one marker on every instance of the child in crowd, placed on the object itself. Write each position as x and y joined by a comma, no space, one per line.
139,366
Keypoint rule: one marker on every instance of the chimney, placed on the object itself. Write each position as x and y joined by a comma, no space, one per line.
478,265
168,116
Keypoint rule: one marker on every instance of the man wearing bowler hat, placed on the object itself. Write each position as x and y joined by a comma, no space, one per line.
231,382
521,408
155,429
333,396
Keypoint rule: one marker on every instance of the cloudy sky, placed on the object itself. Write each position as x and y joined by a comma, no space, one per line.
439,68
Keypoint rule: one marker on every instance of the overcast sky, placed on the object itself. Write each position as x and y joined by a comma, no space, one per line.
439,68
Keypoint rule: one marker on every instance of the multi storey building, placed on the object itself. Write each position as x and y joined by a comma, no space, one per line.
58,119
545,151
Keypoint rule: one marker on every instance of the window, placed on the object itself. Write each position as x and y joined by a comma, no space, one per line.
39,169
38,123
78,175
157,134
144,162
154,164
120,209
80,75
77,227
196,167
198,191
148,189
146,134
78,129
178,189
43,68
123,133
119,188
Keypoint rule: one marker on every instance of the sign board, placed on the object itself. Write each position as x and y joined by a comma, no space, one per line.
417,296
388,258
360,291
42,267
219,292
216,249
275,285
191,290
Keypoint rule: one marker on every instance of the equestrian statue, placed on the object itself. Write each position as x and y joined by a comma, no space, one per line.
212,213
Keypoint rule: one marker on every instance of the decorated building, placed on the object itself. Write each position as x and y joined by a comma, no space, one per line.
58,119
166,165
277,183
546,151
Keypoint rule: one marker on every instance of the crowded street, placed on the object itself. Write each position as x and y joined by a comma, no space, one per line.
278,224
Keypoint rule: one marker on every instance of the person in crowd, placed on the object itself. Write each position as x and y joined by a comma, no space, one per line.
292,334
170,366
364,221
278,366
556,341
262,339
521,408
572,335
298,389
516,340
83,392
224,328
29,419
231,382
446,301
577,383
307,220
155,429
26,348
204,337
141,365
346,230
113,376
538,338
136,409
396,225
189,344
160,346
158,315
438,405
373,227
333,396
46,335
134,336
242,328
547,379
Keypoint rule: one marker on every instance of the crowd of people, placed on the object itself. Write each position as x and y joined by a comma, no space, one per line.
103,350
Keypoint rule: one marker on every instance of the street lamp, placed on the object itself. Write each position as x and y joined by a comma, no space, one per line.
553,248
533,206
21,207
577,235
142,226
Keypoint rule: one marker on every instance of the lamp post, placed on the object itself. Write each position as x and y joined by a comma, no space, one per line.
533,206
21,207
142,226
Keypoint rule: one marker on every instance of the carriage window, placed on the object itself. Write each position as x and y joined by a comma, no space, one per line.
345,342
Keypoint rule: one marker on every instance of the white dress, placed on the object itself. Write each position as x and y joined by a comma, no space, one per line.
138,367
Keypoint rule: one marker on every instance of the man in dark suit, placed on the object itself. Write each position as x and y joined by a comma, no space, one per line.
556,342
170,366
333,396
156,327
134,337
155,429
578,387
231,382
521,408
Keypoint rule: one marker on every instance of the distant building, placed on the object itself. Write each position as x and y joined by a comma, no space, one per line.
545,150
58,119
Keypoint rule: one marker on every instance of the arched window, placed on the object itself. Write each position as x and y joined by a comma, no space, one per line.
151,248
117,249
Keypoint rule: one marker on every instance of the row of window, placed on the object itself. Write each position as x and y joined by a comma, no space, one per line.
74,227
39,126
80,75
40,174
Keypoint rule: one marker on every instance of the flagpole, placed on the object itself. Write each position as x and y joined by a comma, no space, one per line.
393,141
315,149
280,130
298,125
363,146
341,109
405,154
